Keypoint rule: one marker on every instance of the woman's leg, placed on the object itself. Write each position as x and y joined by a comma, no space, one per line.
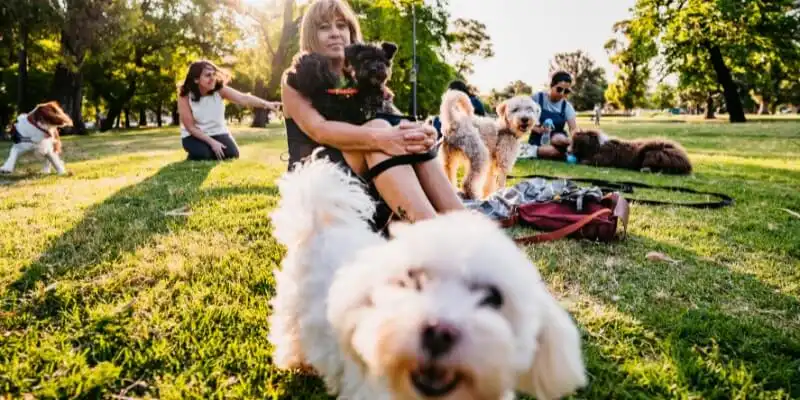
231,150
399,186
197,149
437,187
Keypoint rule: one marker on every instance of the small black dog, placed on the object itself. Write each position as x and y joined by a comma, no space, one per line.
368,68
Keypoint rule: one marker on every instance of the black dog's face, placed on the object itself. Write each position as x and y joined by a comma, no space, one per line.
371,64
585,144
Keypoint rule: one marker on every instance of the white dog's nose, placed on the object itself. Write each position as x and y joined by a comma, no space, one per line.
438,338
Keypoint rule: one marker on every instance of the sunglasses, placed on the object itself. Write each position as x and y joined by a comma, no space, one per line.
560,89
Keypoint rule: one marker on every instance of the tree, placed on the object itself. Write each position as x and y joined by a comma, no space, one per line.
85,24
589,82
631,51
664,96
468,41
278,41
719,33
516,88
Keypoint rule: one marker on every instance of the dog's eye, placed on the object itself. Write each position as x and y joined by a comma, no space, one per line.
413,279
492,298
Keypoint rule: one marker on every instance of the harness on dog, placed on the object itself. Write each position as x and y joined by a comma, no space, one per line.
627,187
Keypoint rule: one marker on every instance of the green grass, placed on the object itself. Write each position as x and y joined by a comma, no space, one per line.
104,295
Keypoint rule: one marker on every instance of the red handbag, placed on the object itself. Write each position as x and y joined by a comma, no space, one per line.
597,221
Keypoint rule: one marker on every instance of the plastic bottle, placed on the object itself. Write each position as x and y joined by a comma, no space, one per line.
548,124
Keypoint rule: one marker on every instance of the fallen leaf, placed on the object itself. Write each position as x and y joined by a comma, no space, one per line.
793,213
656,256
179,212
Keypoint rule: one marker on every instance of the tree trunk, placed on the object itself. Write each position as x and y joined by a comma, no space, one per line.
22,66
732,101
142,117
710,107
176,119
158,115
281,58
763,105
260,116
116,105
68,91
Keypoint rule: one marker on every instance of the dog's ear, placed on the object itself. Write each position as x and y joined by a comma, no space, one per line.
351,51
389,49
557,368
501,109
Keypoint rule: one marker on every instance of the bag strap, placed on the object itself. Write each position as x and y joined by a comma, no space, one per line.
627,187
563,232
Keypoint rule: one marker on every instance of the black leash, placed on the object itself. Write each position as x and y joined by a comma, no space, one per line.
627,187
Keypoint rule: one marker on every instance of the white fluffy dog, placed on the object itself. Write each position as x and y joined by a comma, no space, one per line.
489,147
448,308
37,132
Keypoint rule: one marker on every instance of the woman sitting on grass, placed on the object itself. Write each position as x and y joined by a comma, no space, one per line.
204,133
413,192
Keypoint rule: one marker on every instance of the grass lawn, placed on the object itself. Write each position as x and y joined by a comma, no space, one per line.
103,295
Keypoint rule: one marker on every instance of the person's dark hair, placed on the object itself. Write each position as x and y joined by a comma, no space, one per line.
459,85
195,70
560,76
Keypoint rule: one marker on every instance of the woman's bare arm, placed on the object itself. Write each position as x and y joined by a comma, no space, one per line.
187,119
349,137
247,100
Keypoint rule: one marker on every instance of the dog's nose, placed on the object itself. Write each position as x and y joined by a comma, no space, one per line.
438,338
525,120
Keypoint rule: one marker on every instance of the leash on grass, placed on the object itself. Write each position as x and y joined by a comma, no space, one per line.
627,187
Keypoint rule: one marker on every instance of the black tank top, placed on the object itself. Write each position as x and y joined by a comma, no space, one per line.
301,145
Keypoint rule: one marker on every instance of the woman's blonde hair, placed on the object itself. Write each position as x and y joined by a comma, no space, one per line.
322,11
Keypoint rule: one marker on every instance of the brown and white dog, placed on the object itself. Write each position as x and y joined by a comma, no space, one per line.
488,146
593,147
37,131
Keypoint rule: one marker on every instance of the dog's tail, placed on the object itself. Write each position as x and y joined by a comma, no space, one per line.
455,105
316,194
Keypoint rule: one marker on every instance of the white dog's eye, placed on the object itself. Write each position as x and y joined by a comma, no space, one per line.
414,279
492,297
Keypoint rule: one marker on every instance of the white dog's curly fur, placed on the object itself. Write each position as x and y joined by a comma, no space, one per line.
448,308
488,146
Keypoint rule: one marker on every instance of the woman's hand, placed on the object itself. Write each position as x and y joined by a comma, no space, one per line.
540,129
270,105
405,138
218,148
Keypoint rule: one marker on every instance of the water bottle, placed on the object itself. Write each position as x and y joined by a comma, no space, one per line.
548,123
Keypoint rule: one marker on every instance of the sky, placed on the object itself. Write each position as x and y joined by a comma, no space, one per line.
527,33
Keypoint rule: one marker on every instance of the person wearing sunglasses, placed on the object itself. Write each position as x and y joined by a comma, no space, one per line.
551,141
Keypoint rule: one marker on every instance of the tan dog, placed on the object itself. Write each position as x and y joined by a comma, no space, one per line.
488,146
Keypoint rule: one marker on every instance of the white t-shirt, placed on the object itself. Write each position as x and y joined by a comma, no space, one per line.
209,115
26,129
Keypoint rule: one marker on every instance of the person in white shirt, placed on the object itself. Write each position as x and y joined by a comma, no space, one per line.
204,134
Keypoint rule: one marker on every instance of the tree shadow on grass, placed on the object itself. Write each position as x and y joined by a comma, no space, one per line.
123,222
720,333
